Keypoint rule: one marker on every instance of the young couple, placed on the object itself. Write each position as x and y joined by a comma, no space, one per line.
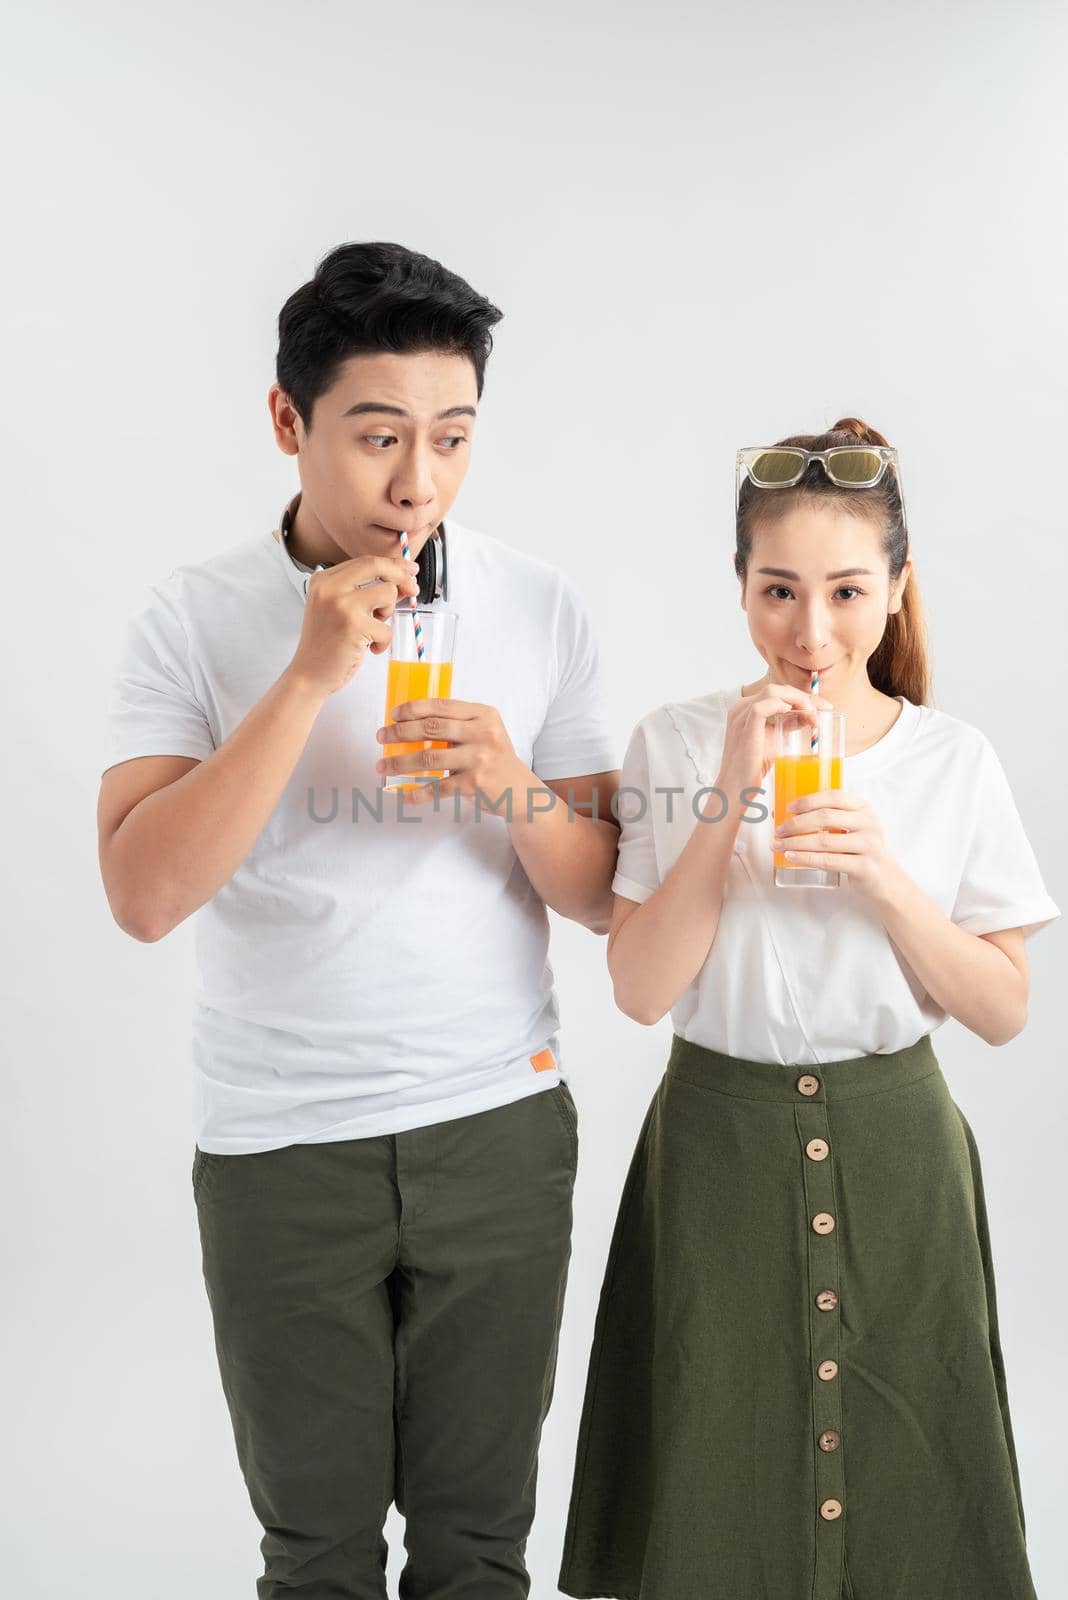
796,1388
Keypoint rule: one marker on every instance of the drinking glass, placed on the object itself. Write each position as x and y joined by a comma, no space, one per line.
804,766
413,678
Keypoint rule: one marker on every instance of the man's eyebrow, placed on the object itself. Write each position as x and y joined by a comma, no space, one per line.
846,572
399,411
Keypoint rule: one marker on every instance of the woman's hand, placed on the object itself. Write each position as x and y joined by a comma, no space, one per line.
747,748
840,832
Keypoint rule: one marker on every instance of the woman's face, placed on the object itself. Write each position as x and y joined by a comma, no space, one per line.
817,594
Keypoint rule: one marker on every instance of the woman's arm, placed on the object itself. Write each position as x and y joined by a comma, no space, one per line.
982,979
657,948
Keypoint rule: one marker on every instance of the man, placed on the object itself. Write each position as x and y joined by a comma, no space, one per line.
386,1143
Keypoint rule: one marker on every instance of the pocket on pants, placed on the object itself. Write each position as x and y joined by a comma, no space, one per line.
566,1110
201,1160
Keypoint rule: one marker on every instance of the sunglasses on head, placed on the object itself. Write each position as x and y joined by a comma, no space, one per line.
850,466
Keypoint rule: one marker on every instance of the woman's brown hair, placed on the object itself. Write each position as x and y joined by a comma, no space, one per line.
901,664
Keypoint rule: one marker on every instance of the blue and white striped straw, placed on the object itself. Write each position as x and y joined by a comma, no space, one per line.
413,600
814,686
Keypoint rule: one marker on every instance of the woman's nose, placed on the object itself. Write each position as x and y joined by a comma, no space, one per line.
813,633
812,644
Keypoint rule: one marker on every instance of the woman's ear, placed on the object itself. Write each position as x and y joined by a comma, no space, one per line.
897,588
741,584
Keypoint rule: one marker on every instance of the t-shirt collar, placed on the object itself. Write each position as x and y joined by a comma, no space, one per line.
890,746
295,571
886,749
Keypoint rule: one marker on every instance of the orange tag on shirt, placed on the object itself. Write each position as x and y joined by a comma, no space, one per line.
544,1061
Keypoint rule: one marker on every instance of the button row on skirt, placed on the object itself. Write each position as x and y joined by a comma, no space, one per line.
823,1223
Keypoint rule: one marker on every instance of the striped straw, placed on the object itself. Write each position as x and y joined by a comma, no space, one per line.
413,600
814,686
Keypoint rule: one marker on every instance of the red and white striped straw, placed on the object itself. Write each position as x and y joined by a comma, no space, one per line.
814,686
413,600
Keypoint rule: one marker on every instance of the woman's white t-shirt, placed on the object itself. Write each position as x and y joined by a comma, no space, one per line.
806,975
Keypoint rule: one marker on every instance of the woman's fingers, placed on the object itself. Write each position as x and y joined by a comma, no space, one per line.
790,691
782,698
821,839
842,814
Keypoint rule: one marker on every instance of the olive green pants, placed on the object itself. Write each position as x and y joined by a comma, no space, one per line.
386,1314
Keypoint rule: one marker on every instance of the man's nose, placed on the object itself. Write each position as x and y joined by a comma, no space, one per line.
414,482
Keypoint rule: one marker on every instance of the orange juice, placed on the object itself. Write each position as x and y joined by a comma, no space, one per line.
416,680
801,775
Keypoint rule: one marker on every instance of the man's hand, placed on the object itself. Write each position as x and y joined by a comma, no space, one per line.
480,754
346,615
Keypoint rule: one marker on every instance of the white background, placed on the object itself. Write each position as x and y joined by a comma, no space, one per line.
706,230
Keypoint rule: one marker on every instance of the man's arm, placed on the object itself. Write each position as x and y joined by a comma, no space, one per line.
567,853
165,852
173,829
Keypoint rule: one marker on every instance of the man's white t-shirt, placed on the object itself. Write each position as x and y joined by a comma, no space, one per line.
808,975
365,976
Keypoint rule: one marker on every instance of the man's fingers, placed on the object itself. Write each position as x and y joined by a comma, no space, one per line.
425,728
424,795
463,709
357,571
453,760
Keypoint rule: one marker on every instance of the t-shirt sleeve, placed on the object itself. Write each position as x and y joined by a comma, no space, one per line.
575,738
153,708
1001,885
636,870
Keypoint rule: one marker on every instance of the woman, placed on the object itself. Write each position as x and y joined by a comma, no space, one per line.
796,1390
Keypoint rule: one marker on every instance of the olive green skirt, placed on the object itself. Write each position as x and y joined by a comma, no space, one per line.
796,1390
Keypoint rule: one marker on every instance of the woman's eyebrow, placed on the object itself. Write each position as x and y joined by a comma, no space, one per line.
846,572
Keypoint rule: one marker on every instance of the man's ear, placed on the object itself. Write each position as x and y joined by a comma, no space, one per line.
286,421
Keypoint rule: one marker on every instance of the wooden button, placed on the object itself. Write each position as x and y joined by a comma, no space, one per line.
823,1222
826,1299
817,1150
829,1440
827,1370
807,1084
831,1510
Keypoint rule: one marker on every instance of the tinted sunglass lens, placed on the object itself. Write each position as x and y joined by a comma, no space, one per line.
774,467
858,467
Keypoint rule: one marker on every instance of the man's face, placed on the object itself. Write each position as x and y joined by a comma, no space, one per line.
388,449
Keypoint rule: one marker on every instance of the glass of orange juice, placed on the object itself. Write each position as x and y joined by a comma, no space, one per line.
412,678
803,767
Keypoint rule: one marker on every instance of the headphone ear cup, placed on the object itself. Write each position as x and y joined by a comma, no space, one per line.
427,564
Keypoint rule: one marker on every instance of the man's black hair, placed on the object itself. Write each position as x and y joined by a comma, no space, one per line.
370,297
